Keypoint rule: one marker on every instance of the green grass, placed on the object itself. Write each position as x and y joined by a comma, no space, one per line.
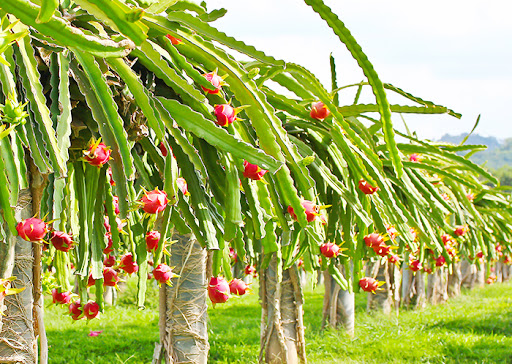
474,328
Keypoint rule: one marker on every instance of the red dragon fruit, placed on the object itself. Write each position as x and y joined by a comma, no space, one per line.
152,239
461,230
440,261
414,157
154,201
233,256
369,284
110,175
163,273
32,229
218,290
249,270
61,241
238,287
97,154
109,261
127,264
415,265
109,248
61,298
253,171
174,41
110,277
382,249
91,310
311,210
392,232
319,111
373,239
76,310
225,114
447,239
329,250
215,80
366,188
91,281
394,259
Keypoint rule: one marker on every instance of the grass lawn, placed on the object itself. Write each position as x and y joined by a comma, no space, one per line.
474,328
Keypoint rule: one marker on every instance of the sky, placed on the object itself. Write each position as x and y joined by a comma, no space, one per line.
452,52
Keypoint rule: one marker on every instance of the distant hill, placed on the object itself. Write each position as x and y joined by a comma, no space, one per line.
491,142
497,154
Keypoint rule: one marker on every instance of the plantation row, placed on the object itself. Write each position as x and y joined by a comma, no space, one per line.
134,143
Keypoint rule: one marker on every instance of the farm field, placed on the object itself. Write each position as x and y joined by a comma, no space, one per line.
151,157
473,328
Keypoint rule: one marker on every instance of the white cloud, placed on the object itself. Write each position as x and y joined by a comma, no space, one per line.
456,53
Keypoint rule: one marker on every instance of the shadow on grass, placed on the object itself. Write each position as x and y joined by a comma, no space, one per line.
488,325
238,312
476,328
486,350
233,331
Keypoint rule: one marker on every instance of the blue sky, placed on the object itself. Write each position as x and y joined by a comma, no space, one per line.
455,53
